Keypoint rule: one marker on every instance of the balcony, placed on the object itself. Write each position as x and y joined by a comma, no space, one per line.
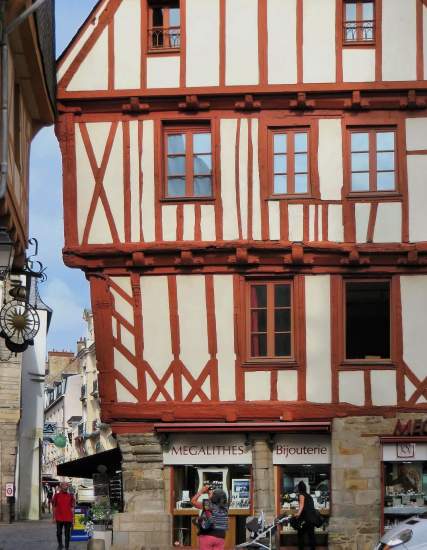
164,39
359,32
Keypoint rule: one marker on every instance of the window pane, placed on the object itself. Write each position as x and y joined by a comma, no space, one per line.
280,164
368,11
176,187
202,164
301,162
301,142
350,11
280,184
280,143
282,320
282,295
385,181
176,166
157,17
360,141
360,181
350,31
202,143
176,143
202,186
385,141
385,161
368,31
174,18
259,345
301,183
282,345
359,162
259,320
258,296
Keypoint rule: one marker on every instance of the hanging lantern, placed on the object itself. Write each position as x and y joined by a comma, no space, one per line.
60,441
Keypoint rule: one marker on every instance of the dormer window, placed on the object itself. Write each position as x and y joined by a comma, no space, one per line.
359,21
164,22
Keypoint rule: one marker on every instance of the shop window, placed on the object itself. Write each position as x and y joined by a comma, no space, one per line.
359,21
164,31
188,163
367,318
289,157
373,160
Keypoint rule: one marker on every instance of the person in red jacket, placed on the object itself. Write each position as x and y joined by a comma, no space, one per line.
63,513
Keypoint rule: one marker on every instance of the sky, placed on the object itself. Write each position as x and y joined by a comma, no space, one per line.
66,290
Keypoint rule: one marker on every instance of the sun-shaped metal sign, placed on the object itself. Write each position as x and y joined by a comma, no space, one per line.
19,324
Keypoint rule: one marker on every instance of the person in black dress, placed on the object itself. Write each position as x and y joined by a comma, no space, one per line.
305,513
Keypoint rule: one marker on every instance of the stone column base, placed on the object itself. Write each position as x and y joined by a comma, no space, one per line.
147,531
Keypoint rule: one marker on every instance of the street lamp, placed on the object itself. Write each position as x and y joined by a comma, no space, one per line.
6,253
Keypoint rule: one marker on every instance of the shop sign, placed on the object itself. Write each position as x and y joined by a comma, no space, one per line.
397,452
49,428
9,490
411,427
207,449
302,449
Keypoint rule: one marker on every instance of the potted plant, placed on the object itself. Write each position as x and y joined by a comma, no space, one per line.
99,519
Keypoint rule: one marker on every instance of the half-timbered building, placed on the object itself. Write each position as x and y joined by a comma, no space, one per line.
245,187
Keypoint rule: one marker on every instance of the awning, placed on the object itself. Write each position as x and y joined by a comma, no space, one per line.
280,427
88,465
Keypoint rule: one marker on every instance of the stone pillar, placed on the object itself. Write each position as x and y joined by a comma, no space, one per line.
145,522
263,476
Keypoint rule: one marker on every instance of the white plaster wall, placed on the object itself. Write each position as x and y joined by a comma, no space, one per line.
318,338
169,222
85,184
113,183
319,41
409,389
202,42
100,231
224,319
163,72
352,388
127,45
388,225
147,165
416,133
125,368
243,175
257,386
358,65
282,43
207,222
274,220
134,182
189,222
98,135
192,322
399,40
241,42
381,379
296,222
156,323
256,197
417,194
311,222
123,395
330,158
414,322
122,306
124,283
287,385
362,211
335,223
127,339
228,178
92,73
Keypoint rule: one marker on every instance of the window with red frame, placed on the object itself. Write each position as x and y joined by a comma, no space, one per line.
270,320
373,160
164,31
359,21
290,161
188,163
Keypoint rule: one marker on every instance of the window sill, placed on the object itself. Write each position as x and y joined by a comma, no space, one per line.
359,44
270,364
290,197
392,195
360,363
164,51
174,200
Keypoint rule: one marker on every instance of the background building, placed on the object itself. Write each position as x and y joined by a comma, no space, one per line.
246,194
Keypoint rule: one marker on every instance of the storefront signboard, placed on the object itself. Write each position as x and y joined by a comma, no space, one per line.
401,452
302,449
207,449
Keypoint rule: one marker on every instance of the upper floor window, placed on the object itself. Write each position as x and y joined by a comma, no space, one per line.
188,162
290,161
373,160
359,21
164,22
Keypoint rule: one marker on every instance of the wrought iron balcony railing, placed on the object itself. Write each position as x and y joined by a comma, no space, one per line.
359,31
164,38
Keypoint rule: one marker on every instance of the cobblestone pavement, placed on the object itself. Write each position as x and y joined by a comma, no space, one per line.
26,535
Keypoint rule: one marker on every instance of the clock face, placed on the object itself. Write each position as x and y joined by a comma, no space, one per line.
19,322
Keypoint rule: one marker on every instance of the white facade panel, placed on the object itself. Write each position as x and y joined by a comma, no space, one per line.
311,222
147,164
256,197
85,184
330,159
335,223
388,225
98,135
113,183
163,72
414,322
296,222
122,306
282,42
224,319
362,211
134,181
243,175
207,222
100,230
352,388
189,222
319,58
399,40
125,367
92,73
127,339
202,42
169,222
241,42
274,220
417,195
416,133
358,65
287,385
123,395
257,386
127,38
318,338
228,178
381,379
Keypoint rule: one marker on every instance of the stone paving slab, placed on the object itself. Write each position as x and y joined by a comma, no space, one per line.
26,535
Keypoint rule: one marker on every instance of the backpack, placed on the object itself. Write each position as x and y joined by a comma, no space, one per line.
204,522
